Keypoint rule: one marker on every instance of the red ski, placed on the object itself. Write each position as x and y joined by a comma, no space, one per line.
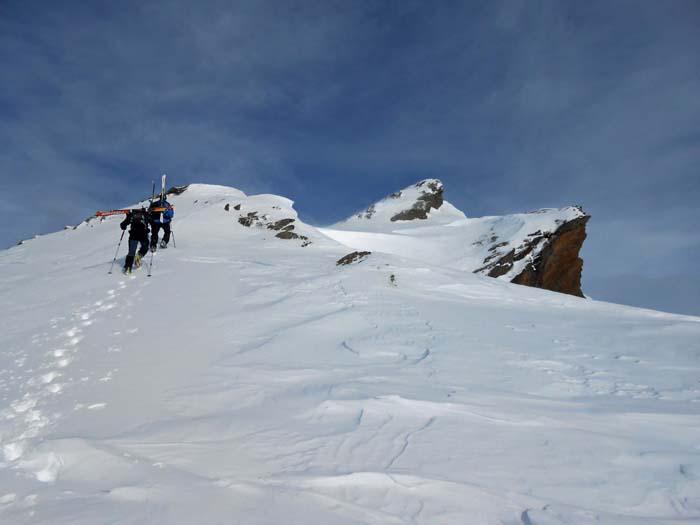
124,212
111,212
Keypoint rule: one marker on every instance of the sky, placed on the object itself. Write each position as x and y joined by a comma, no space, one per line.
515,105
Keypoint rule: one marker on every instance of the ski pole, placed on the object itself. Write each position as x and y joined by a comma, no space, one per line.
115,253
150,264
173,234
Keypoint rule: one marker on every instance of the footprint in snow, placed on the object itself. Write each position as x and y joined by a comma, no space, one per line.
62,363
106,307
48,378
107,377
627,358
45,468
55,388
8,499
13,451
72,332
23,406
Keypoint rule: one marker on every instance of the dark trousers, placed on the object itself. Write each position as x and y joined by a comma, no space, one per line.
155,227
133,245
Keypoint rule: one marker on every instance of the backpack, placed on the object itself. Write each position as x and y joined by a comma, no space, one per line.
166,215
138,218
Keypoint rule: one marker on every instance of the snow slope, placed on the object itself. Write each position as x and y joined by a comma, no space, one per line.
447,237
251,380
465,244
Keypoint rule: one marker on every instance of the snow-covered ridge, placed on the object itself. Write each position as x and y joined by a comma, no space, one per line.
253,380
524,235
515,248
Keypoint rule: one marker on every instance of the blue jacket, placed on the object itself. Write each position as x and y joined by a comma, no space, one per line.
156,215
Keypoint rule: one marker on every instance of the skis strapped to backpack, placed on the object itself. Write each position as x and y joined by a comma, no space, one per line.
141,215
162,195
158,209
107,213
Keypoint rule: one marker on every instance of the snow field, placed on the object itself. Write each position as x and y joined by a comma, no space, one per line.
251,380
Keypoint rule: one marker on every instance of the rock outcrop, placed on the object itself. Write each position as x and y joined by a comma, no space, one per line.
430,197
177,190
283,227
558,266
544,259
352,258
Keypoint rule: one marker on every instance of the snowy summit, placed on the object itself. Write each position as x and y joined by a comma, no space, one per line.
421,202
268,374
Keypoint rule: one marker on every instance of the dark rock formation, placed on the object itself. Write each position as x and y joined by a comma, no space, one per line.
368,213
288,234
430,198
284,227
558,266
282,224
352,258
249,220
177,190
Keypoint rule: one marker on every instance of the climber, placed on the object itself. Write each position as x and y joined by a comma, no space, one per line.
161,213
138,234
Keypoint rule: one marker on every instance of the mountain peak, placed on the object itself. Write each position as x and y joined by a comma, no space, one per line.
429,197
418,202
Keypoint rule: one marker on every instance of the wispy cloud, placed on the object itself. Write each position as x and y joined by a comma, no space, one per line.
514,104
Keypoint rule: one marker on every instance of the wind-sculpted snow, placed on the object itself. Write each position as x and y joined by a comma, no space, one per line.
251,380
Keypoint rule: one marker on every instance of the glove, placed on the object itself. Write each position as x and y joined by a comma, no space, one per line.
123,226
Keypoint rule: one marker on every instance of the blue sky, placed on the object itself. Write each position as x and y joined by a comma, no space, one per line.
515,105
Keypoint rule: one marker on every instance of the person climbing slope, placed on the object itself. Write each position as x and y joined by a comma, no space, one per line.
160,219
138,234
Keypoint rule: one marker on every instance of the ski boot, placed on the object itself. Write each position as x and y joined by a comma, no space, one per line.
163,245
126,270
137,261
